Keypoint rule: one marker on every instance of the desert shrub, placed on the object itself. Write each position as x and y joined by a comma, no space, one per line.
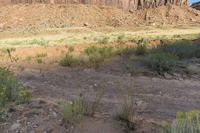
92,108
133,68
10,89
161,62
184,123
181,49
73,112
98,54
39,60
126,51
141,49
193,69
69,61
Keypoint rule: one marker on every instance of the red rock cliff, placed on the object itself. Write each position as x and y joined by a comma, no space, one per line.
196,5
125,4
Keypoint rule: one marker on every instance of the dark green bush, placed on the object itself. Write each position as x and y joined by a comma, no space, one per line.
141,49
181,49
161,62
10,89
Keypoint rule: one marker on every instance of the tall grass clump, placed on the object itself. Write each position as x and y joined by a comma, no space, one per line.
161,62
126,51
184,123
93,107
181,49
128,112
10,89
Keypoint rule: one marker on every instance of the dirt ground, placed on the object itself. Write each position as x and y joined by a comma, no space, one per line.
157,98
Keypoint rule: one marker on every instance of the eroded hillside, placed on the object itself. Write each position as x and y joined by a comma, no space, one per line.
38,16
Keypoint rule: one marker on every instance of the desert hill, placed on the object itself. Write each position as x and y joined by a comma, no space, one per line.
40,16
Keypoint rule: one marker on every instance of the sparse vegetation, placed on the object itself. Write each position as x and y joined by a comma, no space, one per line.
161,62
39,60
69,61
128,111
126,51
193,69
184,123
141,47
28,58
98,54
38,41
103,39
41,55
91,108
181,49
10,89
73,112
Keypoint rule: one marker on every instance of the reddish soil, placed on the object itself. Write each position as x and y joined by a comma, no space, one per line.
36,17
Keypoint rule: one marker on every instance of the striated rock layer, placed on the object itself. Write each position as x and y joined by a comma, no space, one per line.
125,4
196,5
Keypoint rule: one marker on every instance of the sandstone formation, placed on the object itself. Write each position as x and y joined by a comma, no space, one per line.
125,4
196,5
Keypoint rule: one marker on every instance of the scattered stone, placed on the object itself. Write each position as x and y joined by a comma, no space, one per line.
131,11
35,126
54,114
86,24
35,104
14,127
167,76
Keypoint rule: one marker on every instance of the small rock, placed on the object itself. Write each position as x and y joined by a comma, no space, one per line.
35,126
35,104
86,24
54,114
167,76
14,127
131,11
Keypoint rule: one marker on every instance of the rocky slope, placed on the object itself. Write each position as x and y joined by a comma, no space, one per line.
38,16
196,5
125,4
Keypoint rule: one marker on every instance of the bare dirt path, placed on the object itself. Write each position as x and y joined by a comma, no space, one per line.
163,97
158,98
